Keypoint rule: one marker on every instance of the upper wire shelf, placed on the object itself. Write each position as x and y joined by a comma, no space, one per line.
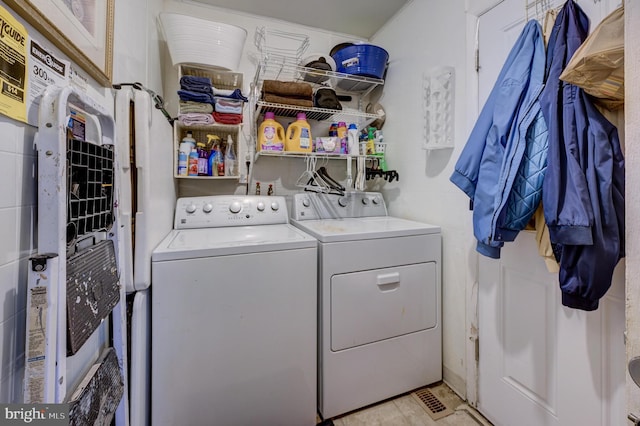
281,57
293,72
280,46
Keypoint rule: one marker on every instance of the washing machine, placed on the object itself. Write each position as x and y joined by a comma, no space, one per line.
233,308
379,299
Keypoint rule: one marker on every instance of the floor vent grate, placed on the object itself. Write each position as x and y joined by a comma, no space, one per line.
431,403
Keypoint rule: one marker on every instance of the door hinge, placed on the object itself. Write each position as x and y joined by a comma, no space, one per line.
477,350
477,59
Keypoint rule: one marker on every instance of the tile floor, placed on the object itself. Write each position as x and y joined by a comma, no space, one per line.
406,411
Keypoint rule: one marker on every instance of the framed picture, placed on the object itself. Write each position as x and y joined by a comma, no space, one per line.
82,29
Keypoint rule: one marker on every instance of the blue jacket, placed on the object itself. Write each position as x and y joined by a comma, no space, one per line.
509,125
583,192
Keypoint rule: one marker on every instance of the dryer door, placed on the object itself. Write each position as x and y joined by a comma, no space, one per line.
380,304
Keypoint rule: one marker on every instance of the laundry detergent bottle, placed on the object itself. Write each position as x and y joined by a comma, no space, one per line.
298,137
270,134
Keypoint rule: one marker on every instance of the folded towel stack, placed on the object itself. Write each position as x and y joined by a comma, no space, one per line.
288,93
228,106
199,99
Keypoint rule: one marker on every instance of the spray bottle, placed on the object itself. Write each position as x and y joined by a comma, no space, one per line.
193,163
212,143
371,147
220,162
230,163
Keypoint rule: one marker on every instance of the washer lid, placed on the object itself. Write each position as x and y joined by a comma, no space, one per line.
364,228
207,242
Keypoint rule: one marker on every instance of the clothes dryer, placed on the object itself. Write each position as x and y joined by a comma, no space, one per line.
380,331
233,307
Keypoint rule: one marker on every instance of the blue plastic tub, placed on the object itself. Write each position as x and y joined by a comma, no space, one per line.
361,59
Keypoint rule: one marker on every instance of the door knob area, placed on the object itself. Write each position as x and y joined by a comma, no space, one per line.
634,369
634,372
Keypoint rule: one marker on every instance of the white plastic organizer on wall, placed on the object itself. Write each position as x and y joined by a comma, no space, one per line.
438,91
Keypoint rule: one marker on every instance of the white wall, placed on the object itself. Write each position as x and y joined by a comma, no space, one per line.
136,55
424,35
17,242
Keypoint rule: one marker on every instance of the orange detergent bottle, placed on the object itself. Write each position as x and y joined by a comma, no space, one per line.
270,134
298,138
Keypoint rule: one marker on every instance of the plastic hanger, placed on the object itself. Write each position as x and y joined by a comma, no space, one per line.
309,179
332,182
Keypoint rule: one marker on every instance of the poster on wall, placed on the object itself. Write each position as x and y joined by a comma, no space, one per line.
13,64
45,69
27,67
81,29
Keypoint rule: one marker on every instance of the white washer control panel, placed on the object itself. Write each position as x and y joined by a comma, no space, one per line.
312,205
229,210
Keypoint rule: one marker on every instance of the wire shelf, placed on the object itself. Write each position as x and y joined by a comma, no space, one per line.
347,115
323,155
280,46
293,72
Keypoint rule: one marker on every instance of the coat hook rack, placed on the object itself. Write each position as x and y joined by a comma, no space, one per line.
536,9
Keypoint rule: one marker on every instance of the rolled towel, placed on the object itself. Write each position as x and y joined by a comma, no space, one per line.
190,106
195,118
224,118
187,95
228,105
288,88
195,84
232,94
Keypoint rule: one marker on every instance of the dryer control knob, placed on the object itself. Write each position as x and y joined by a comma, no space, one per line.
275,206
260,206
306,202
376,200
191,208
365,201
343,201
235,207
207,208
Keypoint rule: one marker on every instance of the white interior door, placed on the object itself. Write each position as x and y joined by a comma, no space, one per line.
541,363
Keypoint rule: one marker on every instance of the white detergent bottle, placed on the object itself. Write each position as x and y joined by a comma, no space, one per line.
352,138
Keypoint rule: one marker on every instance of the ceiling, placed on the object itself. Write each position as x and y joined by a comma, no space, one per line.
361,18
